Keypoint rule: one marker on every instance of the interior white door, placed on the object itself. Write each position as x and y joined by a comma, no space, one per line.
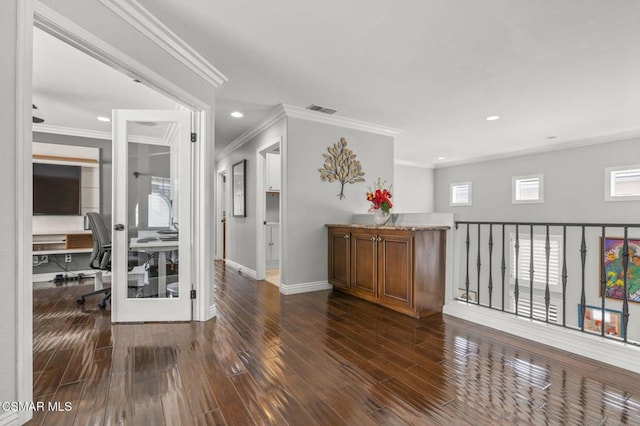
151,260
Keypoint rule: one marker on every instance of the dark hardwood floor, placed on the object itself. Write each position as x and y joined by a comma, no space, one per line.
313,359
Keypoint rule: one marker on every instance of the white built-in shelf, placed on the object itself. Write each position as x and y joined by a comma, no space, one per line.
62,242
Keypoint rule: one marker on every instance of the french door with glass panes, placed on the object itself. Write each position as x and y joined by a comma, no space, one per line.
151,260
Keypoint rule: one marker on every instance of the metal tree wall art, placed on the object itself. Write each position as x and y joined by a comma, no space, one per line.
341,165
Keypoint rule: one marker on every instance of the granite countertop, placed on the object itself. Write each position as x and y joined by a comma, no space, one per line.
391,227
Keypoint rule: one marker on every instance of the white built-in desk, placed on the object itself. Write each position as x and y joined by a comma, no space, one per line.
161,247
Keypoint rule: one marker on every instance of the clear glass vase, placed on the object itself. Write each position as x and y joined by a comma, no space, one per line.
380,217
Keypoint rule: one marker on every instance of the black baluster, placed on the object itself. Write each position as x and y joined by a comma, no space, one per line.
466,282
516,290
547,294
564,276
531,272
503,266
479,265
625,296
603,277
490,265
583,258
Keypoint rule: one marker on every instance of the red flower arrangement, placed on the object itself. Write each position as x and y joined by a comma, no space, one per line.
380,197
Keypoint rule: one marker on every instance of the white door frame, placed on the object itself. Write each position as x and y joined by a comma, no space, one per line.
261,194
31,13
221,206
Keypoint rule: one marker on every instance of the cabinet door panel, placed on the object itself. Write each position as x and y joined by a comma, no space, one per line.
396,271
339,257
364,263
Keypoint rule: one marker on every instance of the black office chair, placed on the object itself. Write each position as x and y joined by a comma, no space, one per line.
101,255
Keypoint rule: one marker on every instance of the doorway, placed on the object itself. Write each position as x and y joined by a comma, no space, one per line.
268,202
221,215
71,33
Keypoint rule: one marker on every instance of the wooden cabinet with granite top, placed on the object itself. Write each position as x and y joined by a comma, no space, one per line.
401,268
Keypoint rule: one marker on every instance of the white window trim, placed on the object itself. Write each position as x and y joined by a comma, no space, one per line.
607,184
451,186
514,181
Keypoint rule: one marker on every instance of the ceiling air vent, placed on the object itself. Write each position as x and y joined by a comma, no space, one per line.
321,109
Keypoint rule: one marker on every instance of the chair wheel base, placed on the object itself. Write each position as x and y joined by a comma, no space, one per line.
80,301
102,304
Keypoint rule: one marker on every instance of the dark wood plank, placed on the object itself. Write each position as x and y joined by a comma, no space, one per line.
317,358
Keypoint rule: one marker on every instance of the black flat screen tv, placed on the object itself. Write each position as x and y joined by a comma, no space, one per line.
56,189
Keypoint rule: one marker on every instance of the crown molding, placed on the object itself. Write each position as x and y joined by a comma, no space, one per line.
145,22
281,111
92,134
399,162
275,115
618,137
306,114
61,27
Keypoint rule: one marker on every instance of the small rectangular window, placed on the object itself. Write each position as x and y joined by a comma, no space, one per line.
460,194
622,183
527,189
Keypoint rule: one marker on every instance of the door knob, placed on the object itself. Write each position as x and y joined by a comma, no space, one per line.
118,227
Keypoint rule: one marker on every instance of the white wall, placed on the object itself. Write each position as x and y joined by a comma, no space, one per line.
574,193
312,203
573,180
8,220
241,231
413,189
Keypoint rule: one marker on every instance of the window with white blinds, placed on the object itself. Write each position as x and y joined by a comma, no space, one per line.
623,183
539,260
539,309
527,189
460,194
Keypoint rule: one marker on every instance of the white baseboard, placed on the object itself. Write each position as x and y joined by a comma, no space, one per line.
241,269
287,289
617,354
212,312
9,418
48,276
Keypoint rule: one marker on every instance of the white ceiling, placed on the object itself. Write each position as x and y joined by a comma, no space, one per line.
72,89
433,68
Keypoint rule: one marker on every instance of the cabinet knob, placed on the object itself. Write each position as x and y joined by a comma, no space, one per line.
379,239
346,236
373,238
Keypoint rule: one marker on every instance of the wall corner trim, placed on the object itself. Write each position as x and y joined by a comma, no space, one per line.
145,22
288,289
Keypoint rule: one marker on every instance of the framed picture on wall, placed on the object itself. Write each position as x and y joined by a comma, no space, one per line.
239,183
612,259
593,321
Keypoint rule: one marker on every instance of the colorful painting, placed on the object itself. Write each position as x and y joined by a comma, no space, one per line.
614,271
593,321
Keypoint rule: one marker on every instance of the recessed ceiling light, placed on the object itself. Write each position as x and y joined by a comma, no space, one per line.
237,114
105,119
551,137
493,118
442,158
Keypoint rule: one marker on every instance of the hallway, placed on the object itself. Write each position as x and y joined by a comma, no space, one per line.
317,358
